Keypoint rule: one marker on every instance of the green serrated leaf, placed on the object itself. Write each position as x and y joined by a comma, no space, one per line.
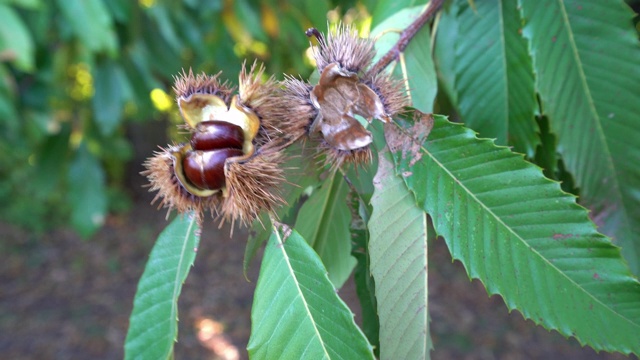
365,285
586,58
16,43
494,74
296,312
257,235
398,251
324,221
153,327
518,233
444,50
546,153
416,64
87,192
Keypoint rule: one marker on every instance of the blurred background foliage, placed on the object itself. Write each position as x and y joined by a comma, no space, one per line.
83,81
78,77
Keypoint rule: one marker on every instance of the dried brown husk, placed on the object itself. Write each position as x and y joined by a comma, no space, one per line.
253,186
339,96
301,113
330,107
263,98
295,109
335,158
187,84
345,47
391,92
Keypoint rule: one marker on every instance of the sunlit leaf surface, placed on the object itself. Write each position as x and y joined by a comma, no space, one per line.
296,312
518,233
153,326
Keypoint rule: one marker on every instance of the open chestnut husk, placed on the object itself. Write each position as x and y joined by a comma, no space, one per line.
231,164
328,109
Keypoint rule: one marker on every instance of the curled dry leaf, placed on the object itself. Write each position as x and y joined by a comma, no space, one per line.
339,96
410,141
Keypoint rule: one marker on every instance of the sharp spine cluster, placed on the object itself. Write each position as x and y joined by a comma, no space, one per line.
232,163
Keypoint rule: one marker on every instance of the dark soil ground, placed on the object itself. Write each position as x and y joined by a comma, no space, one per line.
66,298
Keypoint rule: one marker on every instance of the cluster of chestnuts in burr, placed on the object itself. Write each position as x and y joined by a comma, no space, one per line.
232,163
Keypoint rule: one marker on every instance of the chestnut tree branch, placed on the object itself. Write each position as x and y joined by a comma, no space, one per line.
405,37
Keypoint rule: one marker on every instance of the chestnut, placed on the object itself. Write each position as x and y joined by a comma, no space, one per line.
231,164
205,169
214,134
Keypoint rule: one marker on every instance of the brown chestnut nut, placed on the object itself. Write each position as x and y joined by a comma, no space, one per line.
213,135
205,169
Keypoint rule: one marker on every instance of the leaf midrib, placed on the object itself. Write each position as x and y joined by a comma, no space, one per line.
615,185
390,187
328,204
303,299
510,230
176,281
592,108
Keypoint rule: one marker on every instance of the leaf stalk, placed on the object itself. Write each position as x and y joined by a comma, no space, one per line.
405,37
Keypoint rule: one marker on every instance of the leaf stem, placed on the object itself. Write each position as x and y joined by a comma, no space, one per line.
405,37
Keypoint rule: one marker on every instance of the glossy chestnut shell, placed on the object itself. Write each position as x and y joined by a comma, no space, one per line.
215,134
200,165
205,169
